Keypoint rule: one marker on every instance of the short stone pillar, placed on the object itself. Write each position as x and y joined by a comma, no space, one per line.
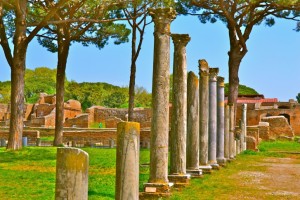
71,174
238,147
203,115
111,143
192,146
74,143
24,141
244,128
3,142
231,132
212,123
220,121
158,180
38,142
127,167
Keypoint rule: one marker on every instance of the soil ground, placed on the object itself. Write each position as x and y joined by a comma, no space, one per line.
275,178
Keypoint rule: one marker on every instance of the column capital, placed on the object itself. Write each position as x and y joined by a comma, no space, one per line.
180,39
213,73
220,80
162,18
203,67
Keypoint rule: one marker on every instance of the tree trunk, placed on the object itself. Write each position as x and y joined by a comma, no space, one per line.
17,78
235,59
63,52
132,73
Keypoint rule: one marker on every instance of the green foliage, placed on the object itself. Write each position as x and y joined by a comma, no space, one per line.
243,90
142,97
5,88
39,80
115,100
298,97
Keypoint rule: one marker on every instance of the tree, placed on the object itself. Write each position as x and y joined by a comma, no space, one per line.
243,90
39,80
115,100
240,17
86,22
298,97
14,17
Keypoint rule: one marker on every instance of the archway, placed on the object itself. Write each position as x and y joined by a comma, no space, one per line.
286,116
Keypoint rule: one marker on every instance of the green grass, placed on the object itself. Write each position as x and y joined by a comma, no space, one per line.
30,173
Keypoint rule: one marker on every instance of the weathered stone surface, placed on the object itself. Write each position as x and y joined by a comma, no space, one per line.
264,130
192,160
179,106
251,143
71,174
127,167
162,18
220,121
231,132
253,131
212,121
243,128
226,134
279,126
203,111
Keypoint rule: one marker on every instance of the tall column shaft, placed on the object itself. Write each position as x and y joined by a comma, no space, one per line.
203,111
192,160
220,121
231,132
226,133
179,106
244,127
212,138
162,18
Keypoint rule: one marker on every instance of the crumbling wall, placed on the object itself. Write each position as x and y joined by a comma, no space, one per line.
279,126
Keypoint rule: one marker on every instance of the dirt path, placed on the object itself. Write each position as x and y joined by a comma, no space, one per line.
279,179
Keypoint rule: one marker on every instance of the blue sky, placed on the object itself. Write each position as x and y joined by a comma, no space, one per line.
271,66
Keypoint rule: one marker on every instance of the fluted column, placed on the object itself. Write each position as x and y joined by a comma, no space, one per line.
162,18
220,121
203,114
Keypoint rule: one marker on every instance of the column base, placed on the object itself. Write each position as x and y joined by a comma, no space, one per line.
206,169
222,161
195,173
156,191
215,166
179,180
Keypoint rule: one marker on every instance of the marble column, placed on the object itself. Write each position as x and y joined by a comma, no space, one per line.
244,128
203,115
179,109
220,121
232,142
212,118
158,179
192,146
127,162
226,133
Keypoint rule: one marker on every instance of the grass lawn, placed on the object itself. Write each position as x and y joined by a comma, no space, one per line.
30,173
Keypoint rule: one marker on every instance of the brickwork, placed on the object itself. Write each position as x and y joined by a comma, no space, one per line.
278,127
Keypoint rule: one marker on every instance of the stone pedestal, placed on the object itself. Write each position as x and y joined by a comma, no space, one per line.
179,106
71,174
180,180
38,142
3,143
127,167
162,18
212,124
192,148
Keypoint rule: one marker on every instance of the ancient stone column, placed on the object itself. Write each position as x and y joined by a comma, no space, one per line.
203,115
226,133
71,174
2,142
178,123
244,128
212,118
162,18
220,121
192,146
231,132
127,167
